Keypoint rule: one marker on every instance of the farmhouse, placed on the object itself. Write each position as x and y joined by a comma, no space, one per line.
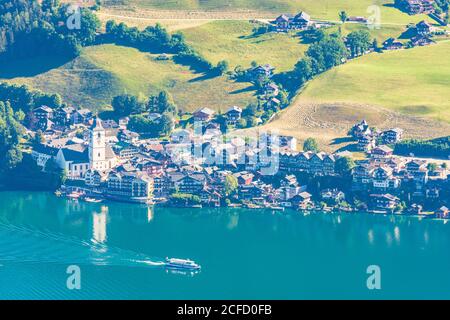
282,23
301,21
82,116
233,115
381,152
424,28
204,114
392,136
357,19
366,143
392,44
421,41
413,7
62,116
43,113
264,70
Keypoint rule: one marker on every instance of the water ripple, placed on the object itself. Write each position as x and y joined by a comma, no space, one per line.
25,244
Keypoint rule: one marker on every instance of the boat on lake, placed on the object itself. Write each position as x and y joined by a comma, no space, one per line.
74,195
182,264
275,208
92,200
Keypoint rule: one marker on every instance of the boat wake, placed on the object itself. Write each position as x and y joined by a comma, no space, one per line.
20,244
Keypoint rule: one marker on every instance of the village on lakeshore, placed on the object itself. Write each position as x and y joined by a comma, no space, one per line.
203,167
156,154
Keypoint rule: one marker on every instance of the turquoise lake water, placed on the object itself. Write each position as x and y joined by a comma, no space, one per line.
245,254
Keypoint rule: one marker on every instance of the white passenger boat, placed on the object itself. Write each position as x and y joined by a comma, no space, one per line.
182,264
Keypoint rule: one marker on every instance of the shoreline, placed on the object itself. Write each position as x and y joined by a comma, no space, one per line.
287,210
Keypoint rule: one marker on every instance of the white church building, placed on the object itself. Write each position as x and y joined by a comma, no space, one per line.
78,159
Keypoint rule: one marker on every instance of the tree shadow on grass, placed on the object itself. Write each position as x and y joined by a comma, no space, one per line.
341,140
205,76
244,90
408,34
351,147
30,67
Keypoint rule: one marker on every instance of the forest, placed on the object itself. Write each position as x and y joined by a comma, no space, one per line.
29,29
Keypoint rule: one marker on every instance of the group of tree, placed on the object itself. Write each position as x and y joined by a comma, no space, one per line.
359,42
310,144
161,103
343,16
439,148
28,28
325,52
151,128
184,199
11,133
129,105
156,39
23,100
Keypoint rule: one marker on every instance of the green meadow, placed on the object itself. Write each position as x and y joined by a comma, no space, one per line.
233,41
413,82
323,9
105,71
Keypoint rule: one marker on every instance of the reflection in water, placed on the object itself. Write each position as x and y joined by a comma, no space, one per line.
426,237
188,273
233,221
99,225
150,214
52,233
397,234
388,238
370,236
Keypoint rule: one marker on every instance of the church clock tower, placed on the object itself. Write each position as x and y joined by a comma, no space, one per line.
97,146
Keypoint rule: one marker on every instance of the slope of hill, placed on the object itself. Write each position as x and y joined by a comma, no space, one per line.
104,71
408,89
321,9
233,41
414,81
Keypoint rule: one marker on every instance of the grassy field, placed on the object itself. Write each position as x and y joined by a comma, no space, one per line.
408,89
233,41
412,81
323,9
107,70
381,34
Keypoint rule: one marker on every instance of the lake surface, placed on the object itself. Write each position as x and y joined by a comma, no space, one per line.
245,254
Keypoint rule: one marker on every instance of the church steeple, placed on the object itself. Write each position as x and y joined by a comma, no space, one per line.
97,146
97,125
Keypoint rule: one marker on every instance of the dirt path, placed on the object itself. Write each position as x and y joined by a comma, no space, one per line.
186,14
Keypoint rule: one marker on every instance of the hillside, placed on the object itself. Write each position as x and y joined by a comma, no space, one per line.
324,9
233,41
408,89
102,72
413,82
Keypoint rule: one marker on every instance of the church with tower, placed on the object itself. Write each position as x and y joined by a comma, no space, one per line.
101,155
78,159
